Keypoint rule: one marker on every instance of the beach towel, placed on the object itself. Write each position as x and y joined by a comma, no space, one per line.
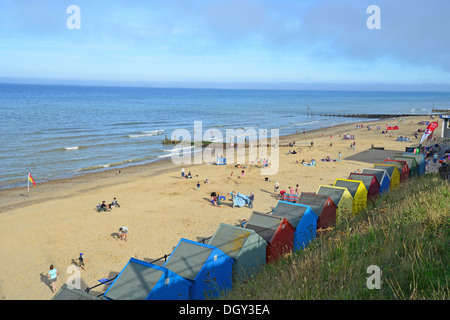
241,200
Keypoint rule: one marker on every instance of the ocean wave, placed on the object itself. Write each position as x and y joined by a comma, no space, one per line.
299,124
115,164
64,149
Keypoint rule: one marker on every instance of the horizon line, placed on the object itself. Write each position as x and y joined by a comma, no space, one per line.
230,85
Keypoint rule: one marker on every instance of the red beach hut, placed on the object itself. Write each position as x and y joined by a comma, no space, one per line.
402,167
370,181
277,231
322,206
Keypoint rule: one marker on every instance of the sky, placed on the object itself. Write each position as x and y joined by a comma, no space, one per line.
295,44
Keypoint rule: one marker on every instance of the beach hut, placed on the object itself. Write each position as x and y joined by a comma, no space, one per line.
140,280
357,190
341,198
67,293
402,168
370,182
302,218
392,171
208,268
244,246
412,165
382,177
420,158
322,206
275,230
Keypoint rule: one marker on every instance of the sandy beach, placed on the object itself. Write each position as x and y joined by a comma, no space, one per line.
57,220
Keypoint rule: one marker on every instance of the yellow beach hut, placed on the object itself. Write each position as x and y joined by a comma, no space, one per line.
392,171
341,198
358,191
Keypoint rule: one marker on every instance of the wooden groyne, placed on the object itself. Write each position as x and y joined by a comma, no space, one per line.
225,145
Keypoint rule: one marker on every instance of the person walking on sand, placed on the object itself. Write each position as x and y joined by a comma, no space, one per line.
252,198
275,188
123,233
198,185
53,276
297,189
182,172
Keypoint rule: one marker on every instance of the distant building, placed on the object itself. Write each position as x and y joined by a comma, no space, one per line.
445,125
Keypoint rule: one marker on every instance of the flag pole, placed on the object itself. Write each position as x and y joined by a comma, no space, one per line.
28,179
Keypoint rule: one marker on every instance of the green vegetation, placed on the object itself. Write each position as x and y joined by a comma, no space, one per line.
405,234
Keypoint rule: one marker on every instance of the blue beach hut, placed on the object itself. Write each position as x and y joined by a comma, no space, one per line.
382,177
140,280
208,269
302,218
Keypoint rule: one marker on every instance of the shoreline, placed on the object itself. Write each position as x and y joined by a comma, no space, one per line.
57,220
156,162
163,161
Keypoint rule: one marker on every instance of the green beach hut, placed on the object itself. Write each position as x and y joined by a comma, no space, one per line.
244,246
412,164
420,158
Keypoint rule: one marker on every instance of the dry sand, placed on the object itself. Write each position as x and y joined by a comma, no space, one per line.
57,220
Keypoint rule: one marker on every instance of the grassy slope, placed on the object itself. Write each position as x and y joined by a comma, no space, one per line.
406,235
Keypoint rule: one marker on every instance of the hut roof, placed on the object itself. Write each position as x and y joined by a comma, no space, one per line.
188,258
291,211
264,224
351,185
335,193
315,201
230,239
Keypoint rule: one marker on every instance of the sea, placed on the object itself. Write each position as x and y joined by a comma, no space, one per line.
60,131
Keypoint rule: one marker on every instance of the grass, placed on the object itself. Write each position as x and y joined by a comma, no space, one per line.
406,234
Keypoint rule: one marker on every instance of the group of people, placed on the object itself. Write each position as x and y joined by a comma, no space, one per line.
294,151
277,191
186,176
104,207
312,163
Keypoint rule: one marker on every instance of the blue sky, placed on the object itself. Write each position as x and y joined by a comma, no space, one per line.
223,43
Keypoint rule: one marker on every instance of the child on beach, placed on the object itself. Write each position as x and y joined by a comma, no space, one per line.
81,262
114,203
198,185
53,276
103,206
123,233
